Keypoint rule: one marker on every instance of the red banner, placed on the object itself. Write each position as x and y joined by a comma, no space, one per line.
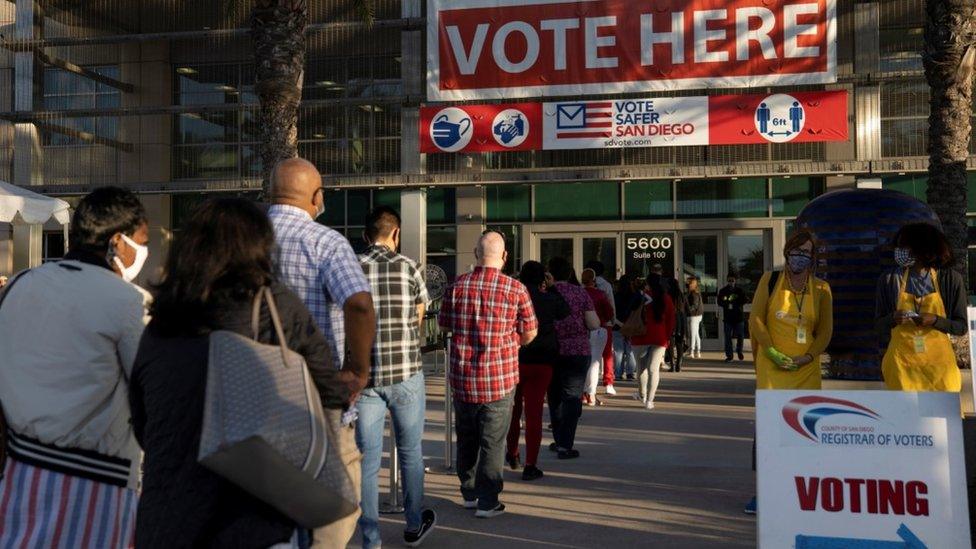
800,117
490,49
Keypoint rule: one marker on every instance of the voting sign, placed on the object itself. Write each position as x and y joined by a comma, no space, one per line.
499,49
748,119
860,469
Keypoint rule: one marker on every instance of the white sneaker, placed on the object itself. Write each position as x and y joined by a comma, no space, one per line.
637,397
473,504
649,405
610,390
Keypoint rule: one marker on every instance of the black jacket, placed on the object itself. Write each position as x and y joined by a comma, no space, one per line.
732,300
549,307
182,503
954,297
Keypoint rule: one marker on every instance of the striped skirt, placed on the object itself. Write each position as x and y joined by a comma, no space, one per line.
42,508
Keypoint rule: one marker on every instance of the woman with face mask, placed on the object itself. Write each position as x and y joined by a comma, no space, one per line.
792,320
69,331
917,305
791,323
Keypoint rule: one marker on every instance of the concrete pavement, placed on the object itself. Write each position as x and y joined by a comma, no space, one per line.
676,476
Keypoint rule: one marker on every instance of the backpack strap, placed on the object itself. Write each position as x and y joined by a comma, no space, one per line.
771,284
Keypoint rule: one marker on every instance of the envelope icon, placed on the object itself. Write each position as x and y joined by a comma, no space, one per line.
571,116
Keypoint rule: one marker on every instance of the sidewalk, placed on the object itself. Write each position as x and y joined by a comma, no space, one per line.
677,476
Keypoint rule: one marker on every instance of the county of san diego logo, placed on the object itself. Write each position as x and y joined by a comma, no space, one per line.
804,413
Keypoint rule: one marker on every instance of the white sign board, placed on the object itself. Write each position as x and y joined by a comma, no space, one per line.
874,469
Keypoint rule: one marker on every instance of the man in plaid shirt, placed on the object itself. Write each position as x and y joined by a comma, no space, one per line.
396,378
490,315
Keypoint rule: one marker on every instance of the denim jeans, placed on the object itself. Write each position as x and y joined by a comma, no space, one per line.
623,356
482,431
733,330
406,402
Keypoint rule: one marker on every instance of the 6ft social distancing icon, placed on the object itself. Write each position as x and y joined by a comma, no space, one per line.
780,118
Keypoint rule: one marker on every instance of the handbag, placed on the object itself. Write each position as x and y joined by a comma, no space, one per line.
634,326
264,428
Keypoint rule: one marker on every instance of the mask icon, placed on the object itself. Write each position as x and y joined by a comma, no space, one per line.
447,134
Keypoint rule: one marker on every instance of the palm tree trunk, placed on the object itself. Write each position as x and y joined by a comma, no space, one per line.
278,33
950,35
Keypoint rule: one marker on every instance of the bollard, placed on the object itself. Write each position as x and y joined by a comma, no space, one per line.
448,409
393,504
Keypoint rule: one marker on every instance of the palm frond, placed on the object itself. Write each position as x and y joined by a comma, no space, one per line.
366,11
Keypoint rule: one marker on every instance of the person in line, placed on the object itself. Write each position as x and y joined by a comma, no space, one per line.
627,300
732,299
598,338
65,396
319,265
569,377
535,370
491,316
672,287
696,312
659,320
216,265
918,305
609,363
791,323
396,379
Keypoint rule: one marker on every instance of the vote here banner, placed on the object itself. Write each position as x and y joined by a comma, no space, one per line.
801,117
500,49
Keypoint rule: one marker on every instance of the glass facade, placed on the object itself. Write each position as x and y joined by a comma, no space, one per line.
723,198
577,201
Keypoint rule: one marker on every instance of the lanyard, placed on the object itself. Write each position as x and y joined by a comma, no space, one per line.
799,302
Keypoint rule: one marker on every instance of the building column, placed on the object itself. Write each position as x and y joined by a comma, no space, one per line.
28,167
470,225
413,225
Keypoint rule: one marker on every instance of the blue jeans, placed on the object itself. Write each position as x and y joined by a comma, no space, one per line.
407,402
623,354
733,330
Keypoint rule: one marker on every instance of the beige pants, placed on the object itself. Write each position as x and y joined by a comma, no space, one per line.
338,534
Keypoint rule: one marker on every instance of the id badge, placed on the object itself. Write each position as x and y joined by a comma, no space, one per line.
919,344
801,335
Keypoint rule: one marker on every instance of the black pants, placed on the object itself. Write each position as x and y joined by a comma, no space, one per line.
481,433
565,406
734,330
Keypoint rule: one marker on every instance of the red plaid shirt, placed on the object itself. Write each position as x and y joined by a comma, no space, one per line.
486,311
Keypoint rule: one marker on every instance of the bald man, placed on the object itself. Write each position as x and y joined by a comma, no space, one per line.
319,264
490,316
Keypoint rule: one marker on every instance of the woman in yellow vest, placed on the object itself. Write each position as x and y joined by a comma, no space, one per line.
791,323
792,320
918,304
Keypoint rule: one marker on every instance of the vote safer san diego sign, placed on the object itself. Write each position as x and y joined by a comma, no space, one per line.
800,117
863,469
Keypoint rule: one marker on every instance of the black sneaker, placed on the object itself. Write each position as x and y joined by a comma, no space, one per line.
553,447
568,454
428,519
742,356
728,359
531,472
489,513
513,462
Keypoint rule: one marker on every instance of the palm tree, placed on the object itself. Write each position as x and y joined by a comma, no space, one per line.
950,51
278,32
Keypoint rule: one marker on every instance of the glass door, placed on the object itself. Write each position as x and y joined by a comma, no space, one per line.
700,258
580,249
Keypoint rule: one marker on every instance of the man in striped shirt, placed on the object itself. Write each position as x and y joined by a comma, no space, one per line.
396,378
490,315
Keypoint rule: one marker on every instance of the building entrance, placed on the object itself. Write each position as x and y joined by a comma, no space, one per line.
710,254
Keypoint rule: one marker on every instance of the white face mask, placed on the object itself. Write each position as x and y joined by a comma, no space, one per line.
132,271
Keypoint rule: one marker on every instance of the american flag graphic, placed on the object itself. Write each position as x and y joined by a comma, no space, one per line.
584,120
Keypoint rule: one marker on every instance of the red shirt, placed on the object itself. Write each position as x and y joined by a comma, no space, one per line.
601,304
658,333
486,311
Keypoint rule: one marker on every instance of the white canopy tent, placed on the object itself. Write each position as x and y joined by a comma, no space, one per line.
22,207
19,205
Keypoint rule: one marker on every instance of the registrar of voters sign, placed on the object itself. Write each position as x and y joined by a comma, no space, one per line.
864,469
